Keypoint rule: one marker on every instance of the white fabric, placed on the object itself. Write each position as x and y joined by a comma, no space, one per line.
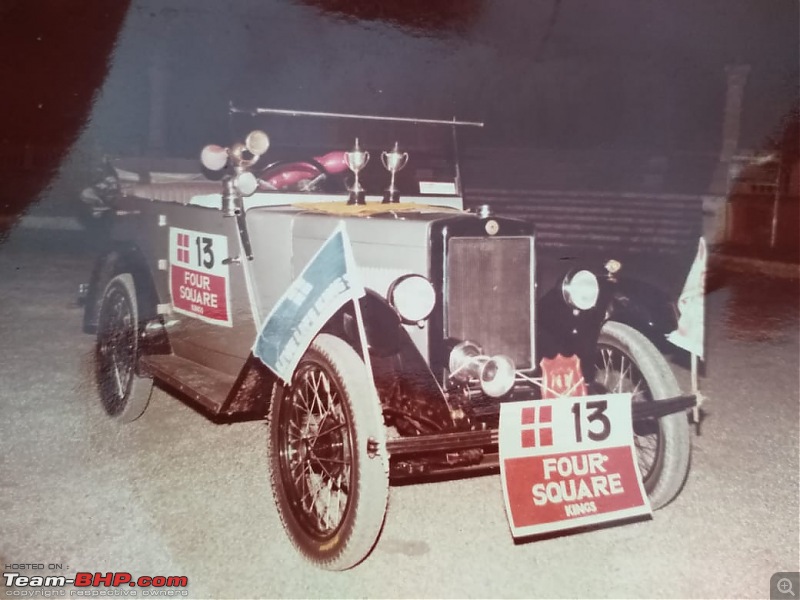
690,334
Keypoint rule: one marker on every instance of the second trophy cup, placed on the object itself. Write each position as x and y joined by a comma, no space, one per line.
394,161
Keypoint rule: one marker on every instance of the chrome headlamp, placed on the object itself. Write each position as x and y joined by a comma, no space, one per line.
581,290
245,182
413,297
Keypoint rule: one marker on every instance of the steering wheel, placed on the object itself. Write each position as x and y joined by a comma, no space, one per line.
305,175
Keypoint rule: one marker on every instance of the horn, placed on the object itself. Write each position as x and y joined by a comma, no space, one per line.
463,361
495,373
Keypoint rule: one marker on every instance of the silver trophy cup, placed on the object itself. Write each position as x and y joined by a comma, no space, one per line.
394,161
356,160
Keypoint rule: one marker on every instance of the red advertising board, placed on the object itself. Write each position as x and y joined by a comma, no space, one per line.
198,279
569,462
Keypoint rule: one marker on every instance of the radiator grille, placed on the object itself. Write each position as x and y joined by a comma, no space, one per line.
489,295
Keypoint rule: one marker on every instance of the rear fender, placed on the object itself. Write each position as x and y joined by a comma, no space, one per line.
120,258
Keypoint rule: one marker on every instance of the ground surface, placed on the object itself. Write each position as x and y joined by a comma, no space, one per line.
174,494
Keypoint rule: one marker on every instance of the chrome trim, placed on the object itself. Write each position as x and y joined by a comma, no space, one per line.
265,199
307,113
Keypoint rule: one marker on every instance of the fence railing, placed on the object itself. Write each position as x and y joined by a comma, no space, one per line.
635,223
655,235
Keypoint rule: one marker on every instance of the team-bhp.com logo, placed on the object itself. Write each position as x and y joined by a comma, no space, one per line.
158,585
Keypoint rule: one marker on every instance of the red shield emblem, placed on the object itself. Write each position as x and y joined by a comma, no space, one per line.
561,376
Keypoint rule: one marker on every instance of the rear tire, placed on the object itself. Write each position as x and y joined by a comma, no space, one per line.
627,361
123,394
328,470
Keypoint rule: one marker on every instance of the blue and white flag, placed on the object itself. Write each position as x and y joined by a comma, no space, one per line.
328,281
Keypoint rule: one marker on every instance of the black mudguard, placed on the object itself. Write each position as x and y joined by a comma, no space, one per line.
645,308
120,258
561,329
404,381
566,331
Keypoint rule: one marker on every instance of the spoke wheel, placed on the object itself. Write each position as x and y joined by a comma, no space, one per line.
330,486
123,393
627,362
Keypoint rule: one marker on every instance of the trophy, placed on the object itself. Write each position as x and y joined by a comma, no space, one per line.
356,160
394,161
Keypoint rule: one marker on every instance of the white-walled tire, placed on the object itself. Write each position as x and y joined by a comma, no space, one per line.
328,469
626,361
123,394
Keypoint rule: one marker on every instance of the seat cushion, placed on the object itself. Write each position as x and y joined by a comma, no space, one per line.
180,192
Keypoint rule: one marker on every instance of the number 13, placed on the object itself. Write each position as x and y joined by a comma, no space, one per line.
597,414
205,255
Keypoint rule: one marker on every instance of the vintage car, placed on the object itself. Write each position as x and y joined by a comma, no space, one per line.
458,316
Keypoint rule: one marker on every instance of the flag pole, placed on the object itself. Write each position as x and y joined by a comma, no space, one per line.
690,334
362,333
696,391
362,339
362,336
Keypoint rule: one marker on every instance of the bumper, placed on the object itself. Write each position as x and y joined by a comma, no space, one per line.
471,451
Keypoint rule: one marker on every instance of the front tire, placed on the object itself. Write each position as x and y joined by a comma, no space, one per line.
123,394
328,470
627,362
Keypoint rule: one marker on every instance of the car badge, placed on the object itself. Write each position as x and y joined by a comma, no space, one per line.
562,376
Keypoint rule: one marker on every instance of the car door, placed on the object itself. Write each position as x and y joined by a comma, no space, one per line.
211,314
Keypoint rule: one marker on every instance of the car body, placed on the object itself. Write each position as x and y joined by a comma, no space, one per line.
457,316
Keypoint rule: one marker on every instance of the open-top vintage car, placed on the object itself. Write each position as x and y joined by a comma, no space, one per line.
459,316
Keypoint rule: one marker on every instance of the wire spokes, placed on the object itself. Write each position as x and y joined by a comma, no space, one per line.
617,372
116,349
317,451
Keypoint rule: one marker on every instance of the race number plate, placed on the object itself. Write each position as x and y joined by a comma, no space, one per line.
569,462
198,280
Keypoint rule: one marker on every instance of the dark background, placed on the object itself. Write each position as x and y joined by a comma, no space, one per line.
575,82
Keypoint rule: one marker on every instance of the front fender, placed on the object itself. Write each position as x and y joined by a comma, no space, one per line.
406,385
645,308
408,390
561,329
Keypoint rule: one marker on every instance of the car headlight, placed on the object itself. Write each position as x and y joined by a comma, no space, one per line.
413,297
246,183
581,290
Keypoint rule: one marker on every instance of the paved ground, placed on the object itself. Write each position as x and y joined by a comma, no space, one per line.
174,494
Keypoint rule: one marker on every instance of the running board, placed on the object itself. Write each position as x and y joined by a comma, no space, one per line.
208,387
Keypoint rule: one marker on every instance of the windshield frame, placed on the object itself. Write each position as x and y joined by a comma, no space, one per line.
449,155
